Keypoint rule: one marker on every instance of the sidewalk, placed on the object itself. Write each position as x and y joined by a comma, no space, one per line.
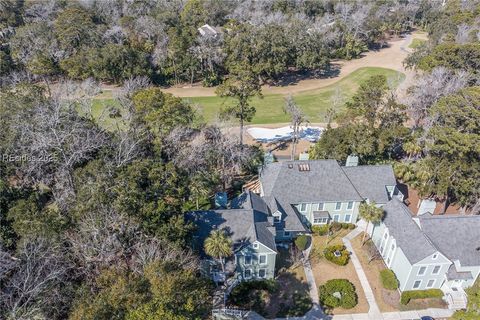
374,311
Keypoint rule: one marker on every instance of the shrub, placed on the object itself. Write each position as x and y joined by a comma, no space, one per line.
301,242
249,293
389,280
348,297
346,225
420,294
342,259
320,230
335,226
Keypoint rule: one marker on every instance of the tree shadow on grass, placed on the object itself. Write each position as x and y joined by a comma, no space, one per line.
294,77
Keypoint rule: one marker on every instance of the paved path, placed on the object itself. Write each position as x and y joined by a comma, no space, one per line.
374,310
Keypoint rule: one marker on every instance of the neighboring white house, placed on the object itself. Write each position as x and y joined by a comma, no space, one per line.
208,31
429,251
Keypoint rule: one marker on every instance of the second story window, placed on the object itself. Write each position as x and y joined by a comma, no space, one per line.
262,259
248,260
350,205
421,271
303,207
436,269
338,206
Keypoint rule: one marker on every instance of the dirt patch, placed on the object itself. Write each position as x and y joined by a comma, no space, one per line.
324,270
387,300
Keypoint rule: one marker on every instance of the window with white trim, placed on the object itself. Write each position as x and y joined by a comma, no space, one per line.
262,259
321,206
421,271
417,284
303,207
350,205
336,217
247,274
248,260
255,245
338,206
430,283
435,256
286,233
262,273
436,270
320,220
276,219
348,217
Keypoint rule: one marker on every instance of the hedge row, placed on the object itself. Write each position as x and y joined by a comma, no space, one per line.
334,226
420,294
389,280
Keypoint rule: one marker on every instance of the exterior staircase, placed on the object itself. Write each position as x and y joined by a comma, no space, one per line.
456,299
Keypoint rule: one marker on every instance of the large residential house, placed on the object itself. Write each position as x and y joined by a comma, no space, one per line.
292,196
252,232
427,251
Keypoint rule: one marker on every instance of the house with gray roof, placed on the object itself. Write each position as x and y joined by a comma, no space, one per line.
427,251
293,196
252,232
301,194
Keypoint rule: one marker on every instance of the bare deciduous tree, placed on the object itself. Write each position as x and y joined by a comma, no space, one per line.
297,119
431,87
35,282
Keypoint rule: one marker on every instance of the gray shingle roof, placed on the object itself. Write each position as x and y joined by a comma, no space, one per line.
289,183
324,181
372,181
453,274
457,237
321,214
413,242
245,223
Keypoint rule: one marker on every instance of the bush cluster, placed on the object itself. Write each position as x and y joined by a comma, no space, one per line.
248,293
301,242
330,254
420,294
348,297
389,280
320,230
323,229
337,226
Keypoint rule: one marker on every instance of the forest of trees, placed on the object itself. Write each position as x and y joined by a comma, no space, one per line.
92,217
433,134
112,40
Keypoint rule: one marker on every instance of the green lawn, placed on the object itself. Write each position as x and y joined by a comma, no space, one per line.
314,103
416,43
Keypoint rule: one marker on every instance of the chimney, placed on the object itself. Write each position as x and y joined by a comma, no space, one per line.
352,161
270,220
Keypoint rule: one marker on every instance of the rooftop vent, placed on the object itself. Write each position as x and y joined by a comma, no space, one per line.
304,167
290,166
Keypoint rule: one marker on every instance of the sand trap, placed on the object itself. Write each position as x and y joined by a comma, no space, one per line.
264,135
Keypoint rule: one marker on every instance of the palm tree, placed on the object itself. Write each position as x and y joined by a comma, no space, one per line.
199,188
219,246
370,213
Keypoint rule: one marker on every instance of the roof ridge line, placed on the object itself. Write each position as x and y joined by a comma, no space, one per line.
408,212
348,178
